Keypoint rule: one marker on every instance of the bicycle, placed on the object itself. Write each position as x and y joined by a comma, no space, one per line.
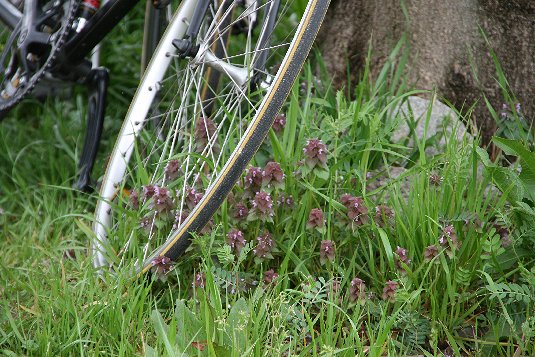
209,95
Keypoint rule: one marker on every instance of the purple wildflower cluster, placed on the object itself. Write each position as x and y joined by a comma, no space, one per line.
430,252
172,170
435,179
262,207
504,235
384,215
357,212
161,266
253,179
285,200
133,200
264,247
315,152
199,281
401,259
269,277
327,251
240,211
357,290
161,199
180,217
505,112
316,220
205,129
448,240
192,196
389,291
272,176
279,123
236,240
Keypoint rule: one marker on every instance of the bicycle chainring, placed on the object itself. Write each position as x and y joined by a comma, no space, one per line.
18,83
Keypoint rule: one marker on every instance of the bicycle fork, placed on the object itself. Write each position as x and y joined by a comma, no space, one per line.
97,82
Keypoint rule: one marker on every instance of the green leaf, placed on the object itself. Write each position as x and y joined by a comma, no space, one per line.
237,324
322,174
149,351
527,161
506,180
387,247
161,331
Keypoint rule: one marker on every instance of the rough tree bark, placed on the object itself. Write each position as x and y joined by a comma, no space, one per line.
442,36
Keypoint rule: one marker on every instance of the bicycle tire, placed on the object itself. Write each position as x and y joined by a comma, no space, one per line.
118,173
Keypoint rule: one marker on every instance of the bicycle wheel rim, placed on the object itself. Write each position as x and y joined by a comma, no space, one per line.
178,240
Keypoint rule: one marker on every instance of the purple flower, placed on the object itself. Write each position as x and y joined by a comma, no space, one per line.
279,123
133,200
161,199
161,266
357,290
146,223
262,207
180,217
270,276
389,291
504,111
283,200
383,215
334,288
253,179
315,219
315,152
327,251
504,235
193,197
435,179
205,129
264,247
199,281
401,257
430,253
240,211
172,169
273,175
448,240
517,107
357,212
236,240
148,191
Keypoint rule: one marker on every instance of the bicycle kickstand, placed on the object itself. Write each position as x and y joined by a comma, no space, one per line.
97,82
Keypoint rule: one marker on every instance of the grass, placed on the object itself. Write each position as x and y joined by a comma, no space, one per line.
474,294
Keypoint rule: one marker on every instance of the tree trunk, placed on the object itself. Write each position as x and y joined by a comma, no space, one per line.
445,38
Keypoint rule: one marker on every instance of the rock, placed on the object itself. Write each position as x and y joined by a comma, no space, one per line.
443,121
384,177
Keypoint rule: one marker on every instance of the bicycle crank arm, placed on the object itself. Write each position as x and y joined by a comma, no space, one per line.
97,81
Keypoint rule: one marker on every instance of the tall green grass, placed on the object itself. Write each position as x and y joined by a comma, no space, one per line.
476,298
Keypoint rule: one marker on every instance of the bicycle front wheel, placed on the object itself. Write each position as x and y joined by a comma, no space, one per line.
195,122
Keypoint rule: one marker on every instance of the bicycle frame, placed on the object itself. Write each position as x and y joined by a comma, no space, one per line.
9,14
79,46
